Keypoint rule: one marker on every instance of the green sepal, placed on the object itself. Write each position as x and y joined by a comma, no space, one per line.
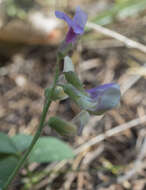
70,76
81,99
73,79
58,93
64,49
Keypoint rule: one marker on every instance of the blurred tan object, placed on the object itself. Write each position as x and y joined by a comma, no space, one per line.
36,29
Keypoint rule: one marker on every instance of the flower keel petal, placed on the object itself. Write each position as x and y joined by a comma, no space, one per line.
71,36
79,21
107,97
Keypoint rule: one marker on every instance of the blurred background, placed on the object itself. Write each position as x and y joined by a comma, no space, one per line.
111,153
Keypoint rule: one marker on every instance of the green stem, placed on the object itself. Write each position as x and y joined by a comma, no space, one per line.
38,132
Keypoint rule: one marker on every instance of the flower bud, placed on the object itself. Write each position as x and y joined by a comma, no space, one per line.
62,127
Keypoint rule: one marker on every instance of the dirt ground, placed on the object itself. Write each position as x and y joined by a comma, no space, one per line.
111,153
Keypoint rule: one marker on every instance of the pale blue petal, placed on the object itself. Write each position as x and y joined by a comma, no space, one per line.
107,96
94,92
109,99
79,21
64,17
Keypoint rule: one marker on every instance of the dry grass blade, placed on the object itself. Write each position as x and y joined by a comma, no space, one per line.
110,133
128,42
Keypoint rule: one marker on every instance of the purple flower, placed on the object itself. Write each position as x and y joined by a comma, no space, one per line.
76,25
107,97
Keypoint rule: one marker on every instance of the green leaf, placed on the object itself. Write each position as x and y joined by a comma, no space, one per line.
6,145
22,141
49,149
6,168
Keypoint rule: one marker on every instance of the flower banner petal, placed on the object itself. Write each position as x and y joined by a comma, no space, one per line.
79,21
